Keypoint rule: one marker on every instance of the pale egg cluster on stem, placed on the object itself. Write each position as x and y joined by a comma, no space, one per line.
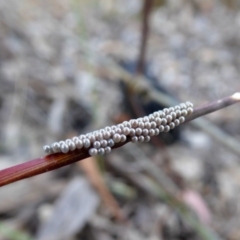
136,130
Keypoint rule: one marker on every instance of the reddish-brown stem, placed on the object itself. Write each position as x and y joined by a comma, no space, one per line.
42,165
214,106
39,165
57,160
147,6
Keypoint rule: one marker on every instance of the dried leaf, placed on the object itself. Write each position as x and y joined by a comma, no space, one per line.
92,171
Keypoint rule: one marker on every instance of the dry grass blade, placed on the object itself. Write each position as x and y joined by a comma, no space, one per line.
92,171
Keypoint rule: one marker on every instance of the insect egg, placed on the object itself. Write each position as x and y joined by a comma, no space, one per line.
141,124
126,130
47,149
156,131
132,132
156,114
101,151
64,148
72,146
92,138
134,139
107,150
164,121
110,143
134,123
145,132
97,144
161,114
147,125
118,130
182,119
189,104
158,121
176,122
86,143
141,138
174,115
104,143
127,124
82,136
147,139
189,110
183,106
75,139
172,125
178,113
56,147
169,118
98,136
121,126
166,128
67,141
93,151
114,128
161,128
138,131
116,138
145,119
106,135
151,132
153,125
79,143
111,133
184,113
151,117
166,111
177,108
108,129
123,138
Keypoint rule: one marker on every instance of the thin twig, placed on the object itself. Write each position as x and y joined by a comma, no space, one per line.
214,106
147,6
54,161
43,164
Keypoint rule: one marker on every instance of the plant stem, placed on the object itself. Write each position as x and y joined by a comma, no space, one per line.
214,106
147,6
57,160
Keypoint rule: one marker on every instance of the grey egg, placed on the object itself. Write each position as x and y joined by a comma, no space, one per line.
116,138
56,147
107,150
141,138
101,151
96,144
110,143
93,151
134,139
104,143
64,148
166,128
47,149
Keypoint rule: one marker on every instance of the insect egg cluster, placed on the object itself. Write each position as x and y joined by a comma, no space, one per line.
137,130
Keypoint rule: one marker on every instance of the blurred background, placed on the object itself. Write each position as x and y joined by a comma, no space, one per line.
69,67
